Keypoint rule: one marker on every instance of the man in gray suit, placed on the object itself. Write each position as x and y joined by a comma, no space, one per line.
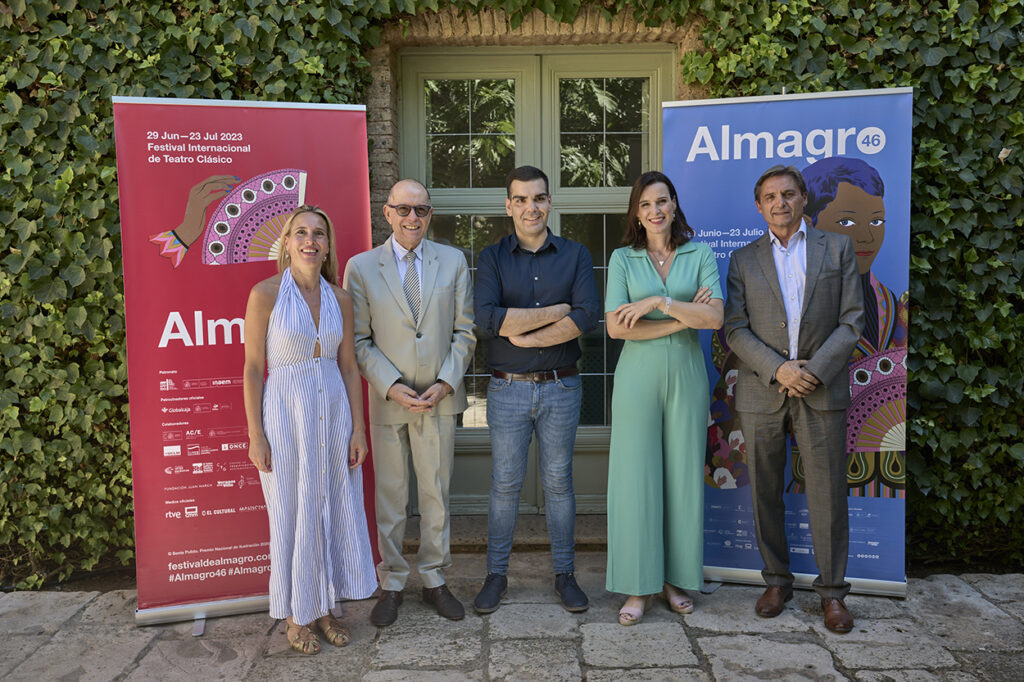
793,315
414,338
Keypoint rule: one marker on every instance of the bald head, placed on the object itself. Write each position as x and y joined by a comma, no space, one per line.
407,185
408,212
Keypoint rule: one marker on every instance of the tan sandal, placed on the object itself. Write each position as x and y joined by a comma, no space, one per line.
631,615
677,600
334,632
302,639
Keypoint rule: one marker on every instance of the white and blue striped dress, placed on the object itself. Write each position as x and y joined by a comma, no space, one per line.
319,544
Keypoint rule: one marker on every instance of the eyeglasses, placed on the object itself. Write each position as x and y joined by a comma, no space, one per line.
403,209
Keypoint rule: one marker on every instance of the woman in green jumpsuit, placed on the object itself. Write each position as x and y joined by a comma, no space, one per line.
662,288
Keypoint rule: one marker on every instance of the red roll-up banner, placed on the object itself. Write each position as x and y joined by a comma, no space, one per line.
205,188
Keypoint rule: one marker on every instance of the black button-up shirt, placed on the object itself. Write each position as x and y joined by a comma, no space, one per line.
507,276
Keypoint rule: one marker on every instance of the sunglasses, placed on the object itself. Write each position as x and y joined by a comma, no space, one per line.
403,209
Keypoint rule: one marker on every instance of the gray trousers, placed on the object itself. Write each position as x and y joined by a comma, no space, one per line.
821,437
430,439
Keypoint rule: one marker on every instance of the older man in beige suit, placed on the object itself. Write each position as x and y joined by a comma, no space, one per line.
414,339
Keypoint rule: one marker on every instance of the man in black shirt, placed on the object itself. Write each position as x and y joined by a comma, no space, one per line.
535,295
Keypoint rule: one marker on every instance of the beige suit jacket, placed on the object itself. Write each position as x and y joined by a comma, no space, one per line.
391,346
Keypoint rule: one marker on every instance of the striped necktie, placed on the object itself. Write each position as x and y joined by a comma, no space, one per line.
411,285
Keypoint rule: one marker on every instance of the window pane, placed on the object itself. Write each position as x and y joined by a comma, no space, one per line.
578,104
470,131
476,392
471,234
603,128
447,106
448,163
493,156
601,234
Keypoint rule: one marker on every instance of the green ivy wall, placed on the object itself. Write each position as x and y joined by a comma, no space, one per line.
65,479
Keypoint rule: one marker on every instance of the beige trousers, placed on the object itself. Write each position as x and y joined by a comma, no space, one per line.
430,440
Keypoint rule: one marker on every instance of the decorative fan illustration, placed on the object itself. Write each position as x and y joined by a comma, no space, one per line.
247,223
877,419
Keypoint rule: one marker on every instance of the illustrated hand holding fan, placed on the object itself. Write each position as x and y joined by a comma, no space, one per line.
877,418
247,223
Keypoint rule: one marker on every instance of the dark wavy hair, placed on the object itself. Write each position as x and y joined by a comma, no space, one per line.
636,235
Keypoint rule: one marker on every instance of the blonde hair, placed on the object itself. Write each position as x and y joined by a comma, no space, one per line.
329,268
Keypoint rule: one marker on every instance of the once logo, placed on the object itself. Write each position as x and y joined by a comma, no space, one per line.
233,446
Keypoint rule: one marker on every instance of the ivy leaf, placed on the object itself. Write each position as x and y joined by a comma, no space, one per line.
933,55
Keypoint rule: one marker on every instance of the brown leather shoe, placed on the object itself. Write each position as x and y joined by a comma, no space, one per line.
445,602
837,618
385,611
770,603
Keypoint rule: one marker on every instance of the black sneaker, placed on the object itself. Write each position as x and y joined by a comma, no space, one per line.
489,598
572,596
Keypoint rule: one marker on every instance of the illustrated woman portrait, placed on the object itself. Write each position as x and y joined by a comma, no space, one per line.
846,195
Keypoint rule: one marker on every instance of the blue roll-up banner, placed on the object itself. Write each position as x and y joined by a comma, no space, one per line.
854,151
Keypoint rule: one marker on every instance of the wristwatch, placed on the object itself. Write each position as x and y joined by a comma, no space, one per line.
668,302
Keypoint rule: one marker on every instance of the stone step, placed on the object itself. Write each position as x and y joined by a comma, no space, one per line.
469,533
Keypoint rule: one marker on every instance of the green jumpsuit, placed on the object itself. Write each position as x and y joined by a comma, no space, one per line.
659,432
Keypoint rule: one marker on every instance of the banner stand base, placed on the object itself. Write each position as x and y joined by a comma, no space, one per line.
202,610
747,576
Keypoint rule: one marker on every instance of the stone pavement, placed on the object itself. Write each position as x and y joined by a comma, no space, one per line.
955,628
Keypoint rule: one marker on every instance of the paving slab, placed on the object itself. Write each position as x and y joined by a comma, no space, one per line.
16,648
33,613
421,638
892,631
749,657
649,675
84,654
278,661
197,658
730,609
886,644
912,676
994,666
645,645
998,588
884,656
1014,608
111,608
422,676
329,664
954,611
226,627
545,621
547,660
861,606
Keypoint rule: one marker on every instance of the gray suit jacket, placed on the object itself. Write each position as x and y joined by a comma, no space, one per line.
391,346
831,321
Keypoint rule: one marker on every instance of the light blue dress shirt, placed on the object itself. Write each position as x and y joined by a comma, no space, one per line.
791,268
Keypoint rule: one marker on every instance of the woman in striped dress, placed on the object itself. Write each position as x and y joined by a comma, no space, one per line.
306,434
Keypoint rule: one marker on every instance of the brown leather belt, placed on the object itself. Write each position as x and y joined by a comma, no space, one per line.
536,377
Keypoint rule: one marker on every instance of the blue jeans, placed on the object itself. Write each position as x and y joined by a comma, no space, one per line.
515,410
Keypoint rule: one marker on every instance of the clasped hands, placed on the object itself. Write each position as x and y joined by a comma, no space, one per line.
419,403
628,314
795,380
